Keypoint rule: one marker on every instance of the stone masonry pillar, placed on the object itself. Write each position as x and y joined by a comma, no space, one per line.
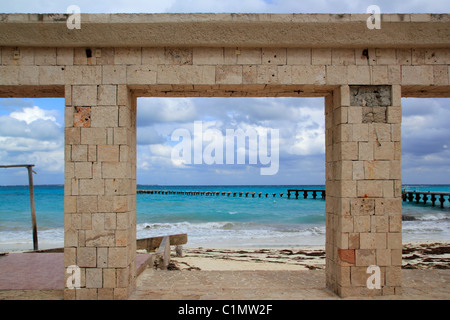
100,191
363,183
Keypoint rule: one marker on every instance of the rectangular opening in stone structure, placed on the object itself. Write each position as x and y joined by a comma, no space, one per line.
425,172
31,132
228,172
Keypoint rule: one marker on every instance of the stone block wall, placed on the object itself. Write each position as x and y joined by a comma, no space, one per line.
362,89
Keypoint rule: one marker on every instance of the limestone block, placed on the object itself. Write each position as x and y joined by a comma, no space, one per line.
377,169
337,75
102,258
64,56
386,56
127,56
380,74
98,222
108,153
365,258
9,75
373,240
394,74
348,150
395,223
362,206
379,224
211,56
92,153
308,74
81,117
186,74
107,95
114,74
110,219
346,257
394,276
26,56
440,75
418,56
103,117
83,170
369,188
109,278
343,57
299,56
121,136
437,56
275,56
118,170
345,224
396,257
100,238
354,114
93,136
153,56
29,75
141,74
394,240
79,153
70,204
180,56
266,74
86,257
359,74
404,56
83,75
353,240
117,257
94,278
249,56
123,221
360,132
91,187
122,95
84,95
383,151
228,74
417,75
358,170
348,189
45,56
321,56
361,223
87,204
383,257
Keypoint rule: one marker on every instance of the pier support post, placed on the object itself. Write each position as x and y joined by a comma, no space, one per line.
363,186
100,190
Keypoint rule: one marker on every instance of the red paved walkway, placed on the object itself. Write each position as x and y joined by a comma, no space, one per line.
39,271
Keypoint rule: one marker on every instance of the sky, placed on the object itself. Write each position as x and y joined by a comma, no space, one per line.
32,130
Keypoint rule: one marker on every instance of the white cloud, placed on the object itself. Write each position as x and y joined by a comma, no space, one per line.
32,114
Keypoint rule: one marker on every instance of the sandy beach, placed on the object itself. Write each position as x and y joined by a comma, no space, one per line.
416,255
426,267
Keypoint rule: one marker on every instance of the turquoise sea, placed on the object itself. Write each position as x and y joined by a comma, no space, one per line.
210,221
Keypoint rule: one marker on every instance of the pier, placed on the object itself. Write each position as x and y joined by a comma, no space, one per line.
424,196
314,193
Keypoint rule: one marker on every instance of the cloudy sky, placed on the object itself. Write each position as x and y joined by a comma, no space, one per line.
31,130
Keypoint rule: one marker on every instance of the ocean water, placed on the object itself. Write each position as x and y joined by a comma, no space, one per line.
210,221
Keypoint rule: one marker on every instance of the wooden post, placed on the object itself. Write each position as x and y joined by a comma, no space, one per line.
32,205
33,210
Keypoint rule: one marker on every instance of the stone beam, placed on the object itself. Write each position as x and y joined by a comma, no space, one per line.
231,30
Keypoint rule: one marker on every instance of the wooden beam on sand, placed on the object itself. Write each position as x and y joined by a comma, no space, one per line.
154,243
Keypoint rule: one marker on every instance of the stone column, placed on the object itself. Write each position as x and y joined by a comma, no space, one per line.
100,190
363,183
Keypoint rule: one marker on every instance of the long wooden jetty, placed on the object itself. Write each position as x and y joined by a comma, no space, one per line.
424,196
290,192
